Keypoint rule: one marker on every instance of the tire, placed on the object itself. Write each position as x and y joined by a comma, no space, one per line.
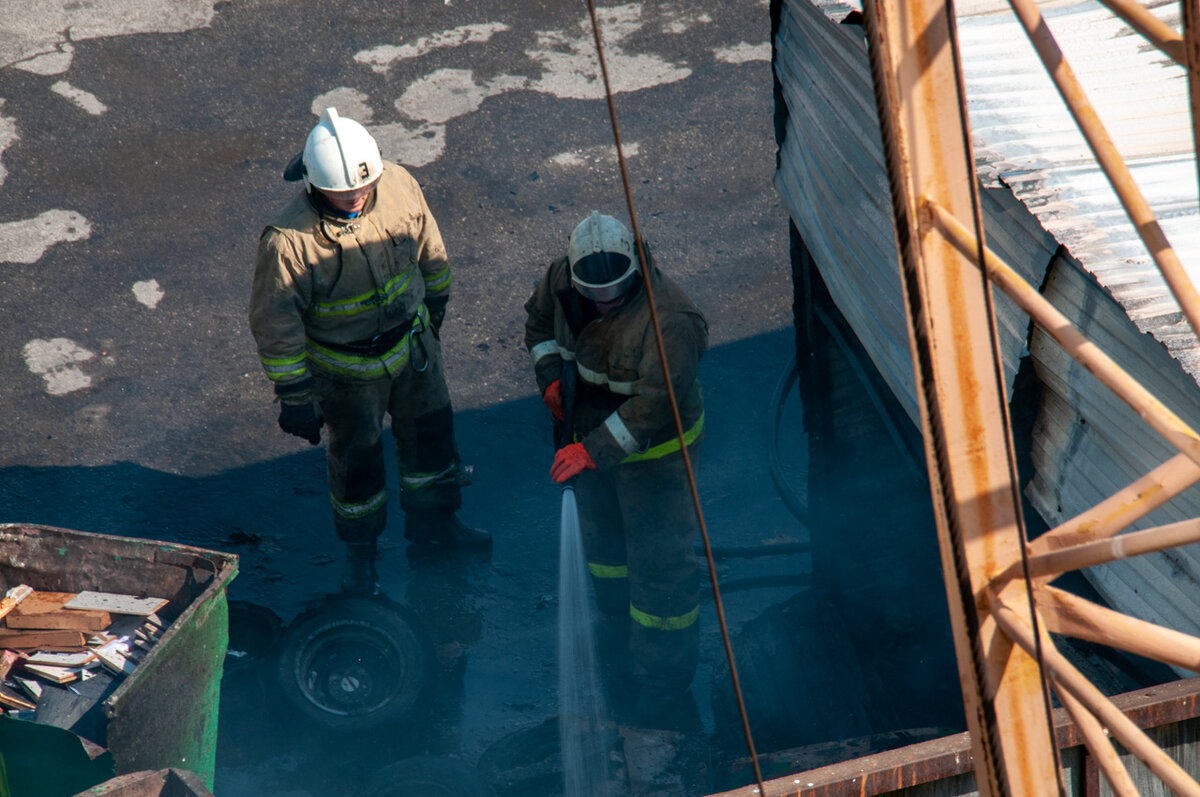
527,761
254,632
429,776
355,663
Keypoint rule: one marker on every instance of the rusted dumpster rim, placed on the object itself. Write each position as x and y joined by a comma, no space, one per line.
950,756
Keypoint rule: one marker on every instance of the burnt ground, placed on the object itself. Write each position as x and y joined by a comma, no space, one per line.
174,436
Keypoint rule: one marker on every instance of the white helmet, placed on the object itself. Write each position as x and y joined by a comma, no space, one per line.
340,155
601,257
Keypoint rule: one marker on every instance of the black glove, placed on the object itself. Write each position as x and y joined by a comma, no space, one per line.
437,313
301,420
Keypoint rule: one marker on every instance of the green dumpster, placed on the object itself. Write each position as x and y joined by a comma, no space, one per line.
164,714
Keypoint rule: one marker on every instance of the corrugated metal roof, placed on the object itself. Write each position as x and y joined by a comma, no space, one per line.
1025,137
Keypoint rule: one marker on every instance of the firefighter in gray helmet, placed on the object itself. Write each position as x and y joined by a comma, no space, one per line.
591,312
350,289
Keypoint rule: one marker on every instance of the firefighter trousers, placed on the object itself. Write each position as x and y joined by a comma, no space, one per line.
422,422
638,524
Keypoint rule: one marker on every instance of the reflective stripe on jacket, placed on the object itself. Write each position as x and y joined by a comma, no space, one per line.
321,279
359,367
622,411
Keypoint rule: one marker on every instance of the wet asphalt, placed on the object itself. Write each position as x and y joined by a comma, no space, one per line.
133,402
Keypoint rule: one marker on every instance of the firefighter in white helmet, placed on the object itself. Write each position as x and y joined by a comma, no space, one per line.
350,289
590,312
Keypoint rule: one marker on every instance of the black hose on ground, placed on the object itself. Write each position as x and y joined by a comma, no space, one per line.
796,504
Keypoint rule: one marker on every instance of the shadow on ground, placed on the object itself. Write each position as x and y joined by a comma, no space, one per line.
490,621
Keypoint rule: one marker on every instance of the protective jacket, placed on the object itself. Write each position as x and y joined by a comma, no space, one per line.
342,309
635,510
340,295
622,412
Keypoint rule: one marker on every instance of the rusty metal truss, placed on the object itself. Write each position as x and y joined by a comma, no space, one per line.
997,582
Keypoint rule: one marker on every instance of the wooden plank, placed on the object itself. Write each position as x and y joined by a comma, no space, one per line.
70,707
42,601
116,603
30,687
45,609
118,654
11,699
55,675
62,659
148,633
13,597
7,660
41,640
115,660
66,619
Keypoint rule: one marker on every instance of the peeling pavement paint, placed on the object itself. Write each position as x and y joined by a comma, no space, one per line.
148,292
8,136
564,62
57,362
27,241
381,58
594,155
744,53
450,93
571,70
48,26
84,99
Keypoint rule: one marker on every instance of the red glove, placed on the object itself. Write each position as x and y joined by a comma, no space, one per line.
570,461
552,396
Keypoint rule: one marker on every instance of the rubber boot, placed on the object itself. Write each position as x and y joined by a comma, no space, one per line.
463,536
615,667
358,574
666,708
442,528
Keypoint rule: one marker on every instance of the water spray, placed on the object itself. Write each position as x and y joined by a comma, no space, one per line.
581,709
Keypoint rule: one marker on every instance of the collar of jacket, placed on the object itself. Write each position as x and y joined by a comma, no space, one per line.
320,204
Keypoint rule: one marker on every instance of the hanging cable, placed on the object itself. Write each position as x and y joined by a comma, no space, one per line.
662,354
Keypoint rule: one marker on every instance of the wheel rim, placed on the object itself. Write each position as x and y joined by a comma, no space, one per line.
350,669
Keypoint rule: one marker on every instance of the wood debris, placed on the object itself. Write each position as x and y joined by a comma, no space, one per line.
55,675
7,660
46,610
11,699
34,639
49,640
13,598
30,686
117,604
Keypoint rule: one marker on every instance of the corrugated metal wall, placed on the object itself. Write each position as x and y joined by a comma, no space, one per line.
1050,214
833,181
1089,444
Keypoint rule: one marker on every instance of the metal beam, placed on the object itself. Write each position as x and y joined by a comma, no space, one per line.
964,415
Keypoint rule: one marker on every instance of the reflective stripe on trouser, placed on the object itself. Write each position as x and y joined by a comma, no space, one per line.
355,410
638,526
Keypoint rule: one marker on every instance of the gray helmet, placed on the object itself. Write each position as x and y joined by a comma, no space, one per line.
601,258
